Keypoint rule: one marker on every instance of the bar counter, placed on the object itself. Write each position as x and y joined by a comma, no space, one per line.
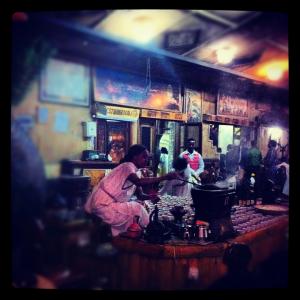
68,166
142,265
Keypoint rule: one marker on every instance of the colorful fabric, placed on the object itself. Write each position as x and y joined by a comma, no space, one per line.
194,160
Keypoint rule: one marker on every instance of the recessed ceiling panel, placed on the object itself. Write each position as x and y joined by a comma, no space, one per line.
140,25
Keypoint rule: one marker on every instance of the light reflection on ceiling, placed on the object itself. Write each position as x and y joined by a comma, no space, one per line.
256,50
252,42
140,26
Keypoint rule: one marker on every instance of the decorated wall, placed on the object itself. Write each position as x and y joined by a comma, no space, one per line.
57,129
261,115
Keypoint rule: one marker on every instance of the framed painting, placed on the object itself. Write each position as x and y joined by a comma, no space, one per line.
124,89
193,102
65,81
232,106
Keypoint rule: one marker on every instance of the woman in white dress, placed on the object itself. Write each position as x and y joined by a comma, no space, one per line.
110,198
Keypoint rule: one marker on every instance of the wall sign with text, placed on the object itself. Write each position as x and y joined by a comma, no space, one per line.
232,106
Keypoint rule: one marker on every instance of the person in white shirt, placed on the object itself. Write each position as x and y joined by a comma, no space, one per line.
286,186
193,158
110,198
177,187
163,166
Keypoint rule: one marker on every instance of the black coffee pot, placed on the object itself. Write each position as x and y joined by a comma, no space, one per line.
156,231
178,212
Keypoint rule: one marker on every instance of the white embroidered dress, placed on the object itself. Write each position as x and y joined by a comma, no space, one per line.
110,200
177,187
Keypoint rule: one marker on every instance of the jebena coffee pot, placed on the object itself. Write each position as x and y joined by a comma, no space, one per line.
156,231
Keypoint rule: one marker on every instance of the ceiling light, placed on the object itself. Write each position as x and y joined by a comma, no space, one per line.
226,55
142,30
139,25
274,73
275,133
274,70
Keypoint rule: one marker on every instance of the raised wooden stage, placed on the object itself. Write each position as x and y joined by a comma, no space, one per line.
145,266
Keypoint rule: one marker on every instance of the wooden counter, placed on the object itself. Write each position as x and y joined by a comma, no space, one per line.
68,166
142,265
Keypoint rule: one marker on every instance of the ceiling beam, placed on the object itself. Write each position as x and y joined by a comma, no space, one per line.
278,45
215,18
224,32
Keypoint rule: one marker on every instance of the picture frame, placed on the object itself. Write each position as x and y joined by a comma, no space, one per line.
65,81
126,89
193,102
232,106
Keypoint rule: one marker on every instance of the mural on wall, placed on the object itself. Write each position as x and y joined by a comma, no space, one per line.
193,106
119,88
232,106
65,82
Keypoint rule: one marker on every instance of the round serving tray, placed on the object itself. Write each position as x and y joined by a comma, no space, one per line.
272,208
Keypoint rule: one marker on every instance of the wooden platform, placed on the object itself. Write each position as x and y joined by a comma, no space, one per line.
143,266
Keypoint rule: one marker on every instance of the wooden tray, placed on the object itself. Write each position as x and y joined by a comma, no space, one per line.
272,208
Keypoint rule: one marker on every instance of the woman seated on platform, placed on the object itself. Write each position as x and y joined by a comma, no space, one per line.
110,198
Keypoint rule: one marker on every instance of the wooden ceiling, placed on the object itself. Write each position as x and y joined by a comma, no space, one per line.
259,40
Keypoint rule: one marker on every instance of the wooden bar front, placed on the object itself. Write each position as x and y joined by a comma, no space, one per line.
68,166
142,265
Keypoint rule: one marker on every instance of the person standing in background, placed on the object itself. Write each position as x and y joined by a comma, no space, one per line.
286,187
193,158
253,160
213,134
222,165
244,154
231,161
270,161
163,165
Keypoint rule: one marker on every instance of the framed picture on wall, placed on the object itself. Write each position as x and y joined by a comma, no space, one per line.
125,89
193,102
65,81
232,106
